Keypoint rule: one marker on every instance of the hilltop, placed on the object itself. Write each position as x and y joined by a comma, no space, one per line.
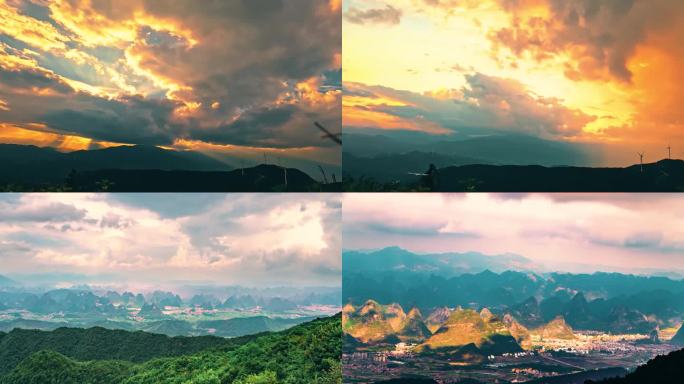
661,176
471,336
305,353
141,169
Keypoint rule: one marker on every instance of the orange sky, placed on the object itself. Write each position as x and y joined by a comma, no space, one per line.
83,74
611,70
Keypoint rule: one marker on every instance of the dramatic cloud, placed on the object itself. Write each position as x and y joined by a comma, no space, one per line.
227,239
154,72
387,15
485,103
566,232
607,71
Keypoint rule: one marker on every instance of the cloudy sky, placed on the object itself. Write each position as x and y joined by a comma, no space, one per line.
634,233
223,77
248,239
600,72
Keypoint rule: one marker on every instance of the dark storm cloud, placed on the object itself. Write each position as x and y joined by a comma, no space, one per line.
388,15
233,69
131,119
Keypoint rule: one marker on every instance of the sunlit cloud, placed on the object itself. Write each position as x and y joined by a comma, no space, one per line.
614,65
180,71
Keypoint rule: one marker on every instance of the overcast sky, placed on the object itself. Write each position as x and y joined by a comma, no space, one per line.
563,232
222,77
247,239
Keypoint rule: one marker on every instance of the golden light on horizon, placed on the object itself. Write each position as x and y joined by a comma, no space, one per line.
626,83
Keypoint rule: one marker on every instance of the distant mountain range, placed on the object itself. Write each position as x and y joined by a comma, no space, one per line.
493,149
141,169
399,260
498,163
127,311
611,302
7,282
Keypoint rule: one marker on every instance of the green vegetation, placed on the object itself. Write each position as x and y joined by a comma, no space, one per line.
307,353
103,344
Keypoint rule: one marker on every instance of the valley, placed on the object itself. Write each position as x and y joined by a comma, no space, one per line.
381,343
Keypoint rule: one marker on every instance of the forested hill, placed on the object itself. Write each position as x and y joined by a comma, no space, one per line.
667,369
307,353
103,344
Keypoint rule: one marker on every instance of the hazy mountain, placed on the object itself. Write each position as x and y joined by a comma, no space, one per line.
150,311
164,299
45,165
600,301
7,282
240,326
238,301
492,149
397,260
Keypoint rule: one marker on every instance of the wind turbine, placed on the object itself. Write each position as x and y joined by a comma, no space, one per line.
669,152
328,135
280,163
641,160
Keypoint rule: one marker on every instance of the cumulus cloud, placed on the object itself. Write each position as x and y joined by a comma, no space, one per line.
599,36
571,232
237,238
154,72
387,15
47,212
485,103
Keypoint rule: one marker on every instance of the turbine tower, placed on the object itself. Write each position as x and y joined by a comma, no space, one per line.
669,152
641,160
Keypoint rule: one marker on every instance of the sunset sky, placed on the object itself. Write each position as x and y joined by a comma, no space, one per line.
141,239
222,77
630,233
600,72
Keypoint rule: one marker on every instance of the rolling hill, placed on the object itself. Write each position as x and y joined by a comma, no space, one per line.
662,176
309,352
101,344
141,169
